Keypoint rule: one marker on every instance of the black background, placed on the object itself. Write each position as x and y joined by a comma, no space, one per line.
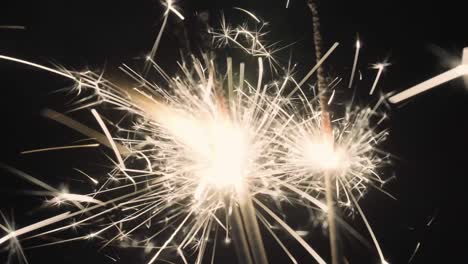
429,134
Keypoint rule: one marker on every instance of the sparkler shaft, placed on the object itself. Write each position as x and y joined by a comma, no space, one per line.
329,192
253,231
331,216
327,131
246,233
239,237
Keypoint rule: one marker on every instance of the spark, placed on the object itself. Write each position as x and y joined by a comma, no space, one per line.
171,7
111,141
380,68
414,252
14,246
91,133
248,13
12,27
60,148
331,98
309,74
35,65
64,196
355,61
292,233
434,216
87,176
35,226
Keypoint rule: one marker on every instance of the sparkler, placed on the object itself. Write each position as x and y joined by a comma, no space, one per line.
459,71
326,143
199,158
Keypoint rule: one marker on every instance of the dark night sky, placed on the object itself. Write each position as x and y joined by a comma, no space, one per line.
428,134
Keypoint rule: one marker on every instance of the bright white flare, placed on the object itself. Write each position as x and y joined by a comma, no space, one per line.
320,154
188,149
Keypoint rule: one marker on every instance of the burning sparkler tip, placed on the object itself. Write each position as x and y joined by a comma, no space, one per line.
381,65
465,56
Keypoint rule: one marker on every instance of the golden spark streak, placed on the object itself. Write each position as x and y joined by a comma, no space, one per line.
60,148
356,57
34,226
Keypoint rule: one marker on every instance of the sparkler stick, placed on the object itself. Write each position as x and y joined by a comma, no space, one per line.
252,229
238,231
456,72
248,227
239,236
327,133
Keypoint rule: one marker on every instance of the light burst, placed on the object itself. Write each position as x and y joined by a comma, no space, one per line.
190,152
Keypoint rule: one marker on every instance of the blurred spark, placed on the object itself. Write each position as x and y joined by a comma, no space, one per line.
414,252
355,61
380,67
60,148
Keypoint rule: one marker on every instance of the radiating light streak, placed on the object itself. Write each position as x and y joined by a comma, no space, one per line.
76,198
29,178
331,97
35,65
110,139
414,252
291,232
248,13
35,226
369,228
60,148
280,243
86,175
171,7
317,65
67,121
380,67
170,239
355,61
12,27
